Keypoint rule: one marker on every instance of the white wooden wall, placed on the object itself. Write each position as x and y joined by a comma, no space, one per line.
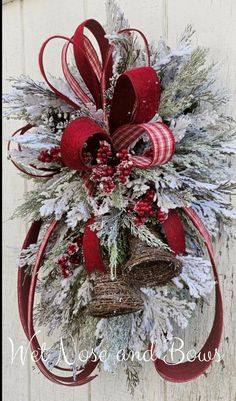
26,24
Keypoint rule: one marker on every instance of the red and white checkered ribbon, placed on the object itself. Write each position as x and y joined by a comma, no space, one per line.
161,138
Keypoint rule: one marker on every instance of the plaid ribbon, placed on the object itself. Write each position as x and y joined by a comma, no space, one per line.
160,136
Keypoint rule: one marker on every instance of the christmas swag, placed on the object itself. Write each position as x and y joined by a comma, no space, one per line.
129,155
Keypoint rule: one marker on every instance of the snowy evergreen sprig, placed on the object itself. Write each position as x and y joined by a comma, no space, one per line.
143,233
29,100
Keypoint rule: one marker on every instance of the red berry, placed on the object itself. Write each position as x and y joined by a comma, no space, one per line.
72,248
130,208
141,213
44,156
139,220
123,154
161,216
62,260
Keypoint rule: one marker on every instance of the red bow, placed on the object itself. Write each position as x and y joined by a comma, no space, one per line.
135,102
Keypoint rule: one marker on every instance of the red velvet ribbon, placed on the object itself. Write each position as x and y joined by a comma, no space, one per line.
136,97
75,136
91,249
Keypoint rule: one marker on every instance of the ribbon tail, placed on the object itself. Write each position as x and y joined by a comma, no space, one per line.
26,294
174,231
190,370
91,249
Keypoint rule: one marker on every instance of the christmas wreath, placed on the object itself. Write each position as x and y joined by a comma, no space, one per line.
130,158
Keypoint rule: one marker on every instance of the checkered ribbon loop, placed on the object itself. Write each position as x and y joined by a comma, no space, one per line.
159,135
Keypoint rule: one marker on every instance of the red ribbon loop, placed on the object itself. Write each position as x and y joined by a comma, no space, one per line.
79,132
136,97
41,66
73,83
89,66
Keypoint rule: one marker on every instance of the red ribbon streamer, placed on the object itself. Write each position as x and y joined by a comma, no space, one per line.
91,249
187,371
26,292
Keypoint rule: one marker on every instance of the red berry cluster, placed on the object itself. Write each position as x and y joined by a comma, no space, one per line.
103,176
108,185
52,155
70,257
104,153
107,172
146,208
125,166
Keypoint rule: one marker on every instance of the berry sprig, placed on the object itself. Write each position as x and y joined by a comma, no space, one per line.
71,256
111,169
146,208
104,153
51,155
103,175
125,166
